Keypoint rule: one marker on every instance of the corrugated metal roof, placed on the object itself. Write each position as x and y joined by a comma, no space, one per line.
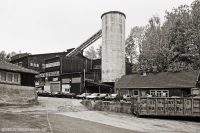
15,68
183,79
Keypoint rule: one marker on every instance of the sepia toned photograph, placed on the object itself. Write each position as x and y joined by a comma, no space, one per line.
99,66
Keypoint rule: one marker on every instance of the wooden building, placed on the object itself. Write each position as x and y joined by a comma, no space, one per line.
36,62
16,75
163,84
76,75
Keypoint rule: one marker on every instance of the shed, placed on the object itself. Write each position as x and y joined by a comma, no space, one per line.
164,84
14,74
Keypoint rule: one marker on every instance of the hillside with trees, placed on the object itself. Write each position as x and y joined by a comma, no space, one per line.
172,45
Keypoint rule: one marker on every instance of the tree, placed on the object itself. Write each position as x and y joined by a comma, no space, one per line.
134,42
3,56
195,24
99,52
150,48
91,53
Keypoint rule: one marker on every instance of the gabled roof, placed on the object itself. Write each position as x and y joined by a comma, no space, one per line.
183,79
15,68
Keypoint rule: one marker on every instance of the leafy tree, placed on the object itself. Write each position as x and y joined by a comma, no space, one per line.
99,51
150,48
133,42
3,56
91,53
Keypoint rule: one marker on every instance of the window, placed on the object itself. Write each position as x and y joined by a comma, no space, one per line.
16,78
9,77
66,90
135,92
159,93
20,63
3,76
31,64
37,65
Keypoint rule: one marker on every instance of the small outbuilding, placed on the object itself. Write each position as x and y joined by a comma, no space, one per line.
17,85
163,84
16,75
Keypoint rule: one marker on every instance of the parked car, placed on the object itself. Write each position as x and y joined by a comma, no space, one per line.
67,95
55,94
126,97
115,97
192,95
61,94
92,96
197,97
43,93
70,95
102,96
82,96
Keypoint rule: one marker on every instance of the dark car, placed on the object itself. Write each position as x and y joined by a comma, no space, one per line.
66,95
113,97
83,96
102,96
43,93
59,94
55,94
70,95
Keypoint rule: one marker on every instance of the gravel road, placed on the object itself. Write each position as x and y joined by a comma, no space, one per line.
74,109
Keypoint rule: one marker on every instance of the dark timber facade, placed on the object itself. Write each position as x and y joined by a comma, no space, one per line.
76,75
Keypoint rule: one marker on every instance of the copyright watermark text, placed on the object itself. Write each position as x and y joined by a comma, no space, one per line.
23,129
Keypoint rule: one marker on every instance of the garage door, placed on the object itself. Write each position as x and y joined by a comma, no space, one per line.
54,86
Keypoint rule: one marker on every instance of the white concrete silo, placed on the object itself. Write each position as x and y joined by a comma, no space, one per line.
113,45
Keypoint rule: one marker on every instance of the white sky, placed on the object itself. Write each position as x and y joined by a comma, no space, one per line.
45,26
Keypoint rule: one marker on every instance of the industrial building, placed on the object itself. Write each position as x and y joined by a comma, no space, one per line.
76,75
36,62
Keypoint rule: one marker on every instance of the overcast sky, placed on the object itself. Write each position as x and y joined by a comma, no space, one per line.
46,26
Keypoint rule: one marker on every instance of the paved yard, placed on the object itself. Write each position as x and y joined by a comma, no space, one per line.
61,115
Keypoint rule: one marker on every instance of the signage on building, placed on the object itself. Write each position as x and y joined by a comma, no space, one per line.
55,73
55,79
76,80
53,64
40,75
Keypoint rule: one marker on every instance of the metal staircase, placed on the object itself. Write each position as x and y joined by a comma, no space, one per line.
85,44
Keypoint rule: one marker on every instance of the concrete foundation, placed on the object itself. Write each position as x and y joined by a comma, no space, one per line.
17,95
121,107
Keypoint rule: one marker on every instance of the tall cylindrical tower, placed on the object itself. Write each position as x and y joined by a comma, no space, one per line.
113,45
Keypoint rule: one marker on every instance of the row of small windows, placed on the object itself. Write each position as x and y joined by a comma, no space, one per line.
9,77
37,65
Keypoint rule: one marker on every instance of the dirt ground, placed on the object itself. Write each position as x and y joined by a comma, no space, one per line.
72,108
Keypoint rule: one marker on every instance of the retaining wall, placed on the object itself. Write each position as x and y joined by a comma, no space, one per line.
17,95
122,107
